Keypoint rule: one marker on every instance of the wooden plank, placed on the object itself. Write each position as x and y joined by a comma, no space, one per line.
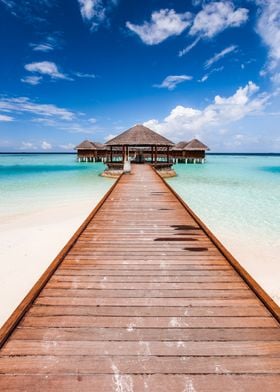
149,322
146,286
241,293
45,365
142,334
140,383
142,348
84,301
142,311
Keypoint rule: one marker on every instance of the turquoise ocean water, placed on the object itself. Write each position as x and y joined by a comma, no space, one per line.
32,181
236,196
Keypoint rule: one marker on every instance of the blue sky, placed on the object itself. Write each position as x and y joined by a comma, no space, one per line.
89,69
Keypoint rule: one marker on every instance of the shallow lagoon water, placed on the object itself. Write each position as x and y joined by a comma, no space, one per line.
35,181
237,196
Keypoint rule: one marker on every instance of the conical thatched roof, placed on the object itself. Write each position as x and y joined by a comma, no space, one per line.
180,146
139,136
88,145
196,144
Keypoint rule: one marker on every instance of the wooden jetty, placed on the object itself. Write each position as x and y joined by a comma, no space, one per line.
143,298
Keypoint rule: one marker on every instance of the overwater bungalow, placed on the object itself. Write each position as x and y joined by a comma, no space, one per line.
189,152
140,144
88,151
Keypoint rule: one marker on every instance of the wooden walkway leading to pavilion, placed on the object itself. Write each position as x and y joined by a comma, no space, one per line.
142,300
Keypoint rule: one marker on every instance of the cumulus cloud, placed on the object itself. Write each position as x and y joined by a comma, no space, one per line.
185,122
95,11
45,145
216,17
171,82
268,27
218,56
46,68
163,24
25,105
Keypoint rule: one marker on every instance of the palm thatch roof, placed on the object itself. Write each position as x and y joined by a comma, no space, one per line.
180,146
88,145
196,145
139,136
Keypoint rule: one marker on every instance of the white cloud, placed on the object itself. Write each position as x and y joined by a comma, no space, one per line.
92,120
67,147
216,17
46,68
85,75
25,105
218,56
29,11
28,146
45,145
78,128
171,82
164,24
276,78
33,80
185,122
189,47
44,47
206,76
5,118
95,11
109,137
268,28
50,43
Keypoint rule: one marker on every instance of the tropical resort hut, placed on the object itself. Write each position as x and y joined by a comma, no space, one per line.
88,151
140,144
189,152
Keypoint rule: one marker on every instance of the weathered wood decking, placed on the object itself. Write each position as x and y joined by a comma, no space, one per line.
142,301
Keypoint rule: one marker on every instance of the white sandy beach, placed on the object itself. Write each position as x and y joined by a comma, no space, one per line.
28,244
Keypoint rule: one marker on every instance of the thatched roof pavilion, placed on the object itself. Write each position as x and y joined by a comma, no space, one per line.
179,146
147,141
88,145
91,151
193,145
192,151
139,135
196,145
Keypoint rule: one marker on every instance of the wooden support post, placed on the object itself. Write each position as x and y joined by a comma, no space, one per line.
155,154
123,153
167,154
111,154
